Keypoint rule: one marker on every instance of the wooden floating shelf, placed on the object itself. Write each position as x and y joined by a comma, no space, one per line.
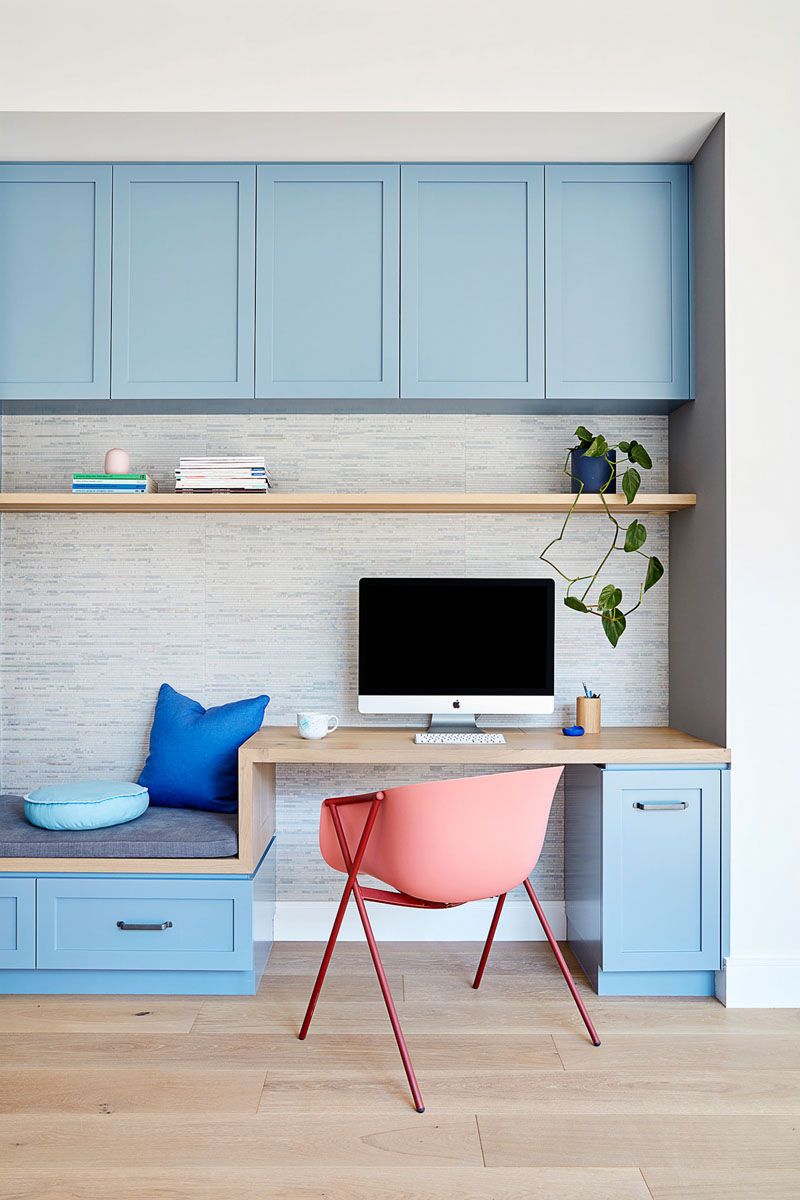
333,502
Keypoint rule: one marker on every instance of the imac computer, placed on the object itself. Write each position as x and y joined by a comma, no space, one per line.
454,648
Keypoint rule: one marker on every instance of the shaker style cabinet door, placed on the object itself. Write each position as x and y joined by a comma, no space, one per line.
617,267
55,281
661,870
327,281
472,265
184,272
17,923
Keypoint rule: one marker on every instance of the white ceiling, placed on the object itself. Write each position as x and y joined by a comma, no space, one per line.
354,137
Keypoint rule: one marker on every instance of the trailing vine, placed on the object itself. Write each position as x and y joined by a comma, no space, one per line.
608,606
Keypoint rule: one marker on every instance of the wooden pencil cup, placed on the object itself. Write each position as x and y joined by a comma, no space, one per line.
587,713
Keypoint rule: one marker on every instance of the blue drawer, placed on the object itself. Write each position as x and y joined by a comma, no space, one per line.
17,923
207,924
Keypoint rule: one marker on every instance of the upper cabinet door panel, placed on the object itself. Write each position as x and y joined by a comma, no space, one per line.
55,281
472,322
328,281
617,282
184,279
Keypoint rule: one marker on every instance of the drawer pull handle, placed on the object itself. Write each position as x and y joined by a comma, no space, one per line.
163,925
656,807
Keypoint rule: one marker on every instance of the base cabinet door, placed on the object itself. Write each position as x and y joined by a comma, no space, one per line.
472,269
661,870
17,923
184,282
617,266
55,281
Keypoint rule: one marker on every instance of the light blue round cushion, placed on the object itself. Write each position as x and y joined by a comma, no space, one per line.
94,804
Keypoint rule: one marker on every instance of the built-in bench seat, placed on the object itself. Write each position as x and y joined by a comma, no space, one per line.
158,833
161,904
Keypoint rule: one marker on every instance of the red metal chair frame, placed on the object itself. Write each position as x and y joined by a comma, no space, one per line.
380,896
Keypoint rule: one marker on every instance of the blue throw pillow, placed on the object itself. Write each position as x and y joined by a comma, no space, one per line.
193,759
95,804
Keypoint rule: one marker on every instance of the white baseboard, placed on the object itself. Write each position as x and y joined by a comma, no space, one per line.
746,982
311,921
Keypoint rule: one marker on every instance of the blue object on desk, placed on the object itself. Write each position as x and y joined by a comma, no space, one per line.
573,731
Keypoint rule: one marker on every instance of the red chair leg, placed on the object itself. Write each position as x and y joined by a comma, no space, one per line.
352,866
492,928
565,971
387,996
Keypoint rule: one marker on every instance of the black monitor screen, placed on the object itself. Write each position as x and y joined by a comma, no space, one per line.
445,636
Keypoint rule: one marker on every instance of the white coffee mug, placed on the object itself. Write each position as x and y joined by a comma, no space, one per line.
315,725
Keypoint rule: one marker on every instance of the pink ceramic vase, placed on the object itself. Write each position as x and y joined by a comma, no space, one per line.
118,462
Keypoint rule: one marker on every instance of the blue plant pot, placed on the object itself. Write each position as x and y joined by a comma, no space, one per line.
594,473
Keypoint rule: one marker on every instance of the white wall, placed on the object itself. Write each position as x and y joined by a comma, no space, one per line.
579,56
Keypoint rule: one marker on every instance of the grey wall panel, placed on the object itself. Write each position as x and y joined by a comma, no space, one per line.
697,635
100,609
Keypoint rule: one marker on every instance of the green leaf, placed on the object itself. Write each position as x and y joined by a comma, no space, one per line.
655,569
635,536
586,438
614,629
574,602
630,483
625,447
597,448
610,598
640,456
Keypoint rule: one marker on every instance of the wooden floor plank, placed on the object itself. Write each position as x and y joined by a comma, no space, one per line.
540,1012
196,1143
719,1052
722,1183
76,1014
454,1092
354,1052
609,1140
325,1183
516,958
134,1091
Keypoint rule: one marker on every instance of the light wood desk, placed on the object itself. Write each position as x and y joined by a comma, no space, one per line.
272,745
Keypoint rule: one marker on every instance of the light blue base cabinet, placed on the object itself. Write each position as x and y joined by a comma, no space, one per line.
121,934
618,278
645,877
55,281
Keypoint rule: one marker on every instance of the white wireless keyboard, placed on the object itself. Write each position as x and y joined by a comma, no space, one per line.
458,739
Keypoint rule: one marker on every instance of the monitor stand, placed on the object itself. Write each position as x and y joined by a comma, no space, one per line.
454,722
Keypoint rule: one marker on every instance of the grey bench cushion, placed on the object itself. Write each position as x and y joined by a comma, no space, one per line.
158,833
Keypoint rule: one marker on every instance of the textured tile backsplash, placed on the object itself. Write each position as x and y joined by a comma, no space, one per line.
99,610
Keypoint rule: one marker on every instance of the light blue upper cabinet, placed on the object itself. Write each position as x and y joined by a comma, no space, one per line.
472,324
327,281
184,282
617,282
55,281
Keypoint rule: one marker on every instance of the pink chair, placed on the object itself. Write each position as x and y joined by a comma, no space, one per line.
440,845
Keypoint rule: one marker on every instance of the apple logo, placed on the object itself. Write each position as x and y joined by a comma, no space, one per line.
456,704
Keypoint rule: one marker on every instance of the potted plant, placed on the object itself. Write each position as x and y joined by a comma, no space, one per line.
627,539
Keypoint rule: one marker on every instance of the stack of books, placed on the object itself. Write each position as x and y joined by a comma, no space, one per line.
200,475
113,484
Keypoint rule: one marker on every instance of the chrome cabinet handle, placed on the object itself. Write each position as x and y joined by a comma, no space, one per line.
163,925
656,807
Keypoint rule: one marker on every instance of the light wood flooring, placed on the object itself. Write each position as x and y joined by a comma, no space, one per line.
180,1098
